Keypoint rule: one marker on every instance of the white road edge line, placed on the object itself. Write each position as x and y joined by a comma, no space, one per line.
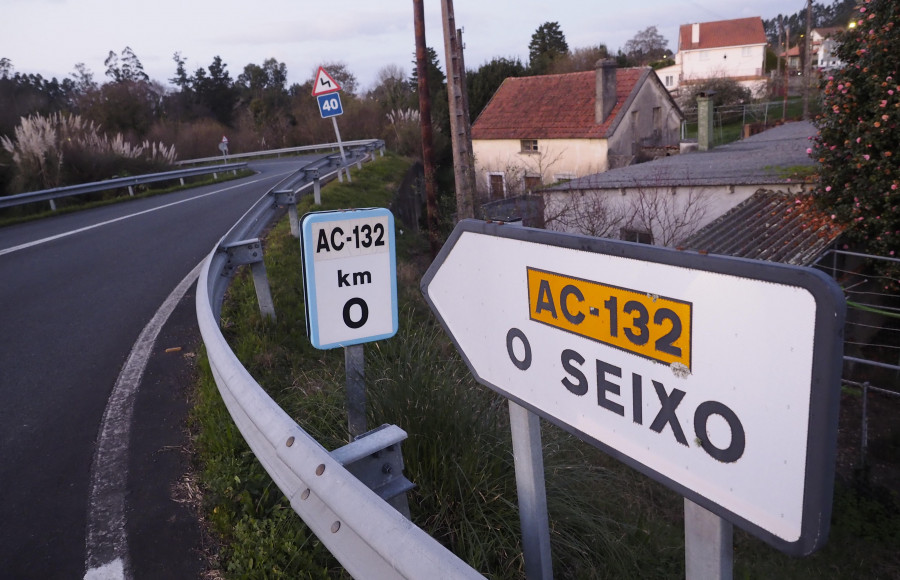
106,547
125,217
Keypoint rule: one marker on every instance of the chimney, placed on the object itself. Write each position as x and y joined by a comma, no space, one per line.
606,90
695,33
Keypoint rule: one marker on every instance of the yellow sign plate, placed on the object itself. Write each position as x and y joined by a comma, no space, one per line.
642,323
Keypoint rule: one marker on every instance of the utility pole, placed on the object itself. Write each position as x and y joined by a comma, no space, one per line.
807,61
460,127
425,123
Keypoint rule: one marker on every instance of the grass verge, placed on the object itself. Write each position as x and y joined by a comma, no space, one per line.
607,521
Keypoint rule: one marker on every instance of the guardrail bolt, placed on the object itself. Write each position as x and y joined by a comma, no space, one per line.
335,527
305,495
320,469
387,469
290,441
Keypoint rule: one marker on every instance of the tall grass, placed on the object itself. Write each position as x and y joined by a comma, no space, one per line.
63,149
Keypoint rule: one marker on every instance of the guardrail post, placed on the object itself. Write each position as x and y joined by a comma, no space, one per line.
249,252
289,198
181,179
52,205
131,191
375,458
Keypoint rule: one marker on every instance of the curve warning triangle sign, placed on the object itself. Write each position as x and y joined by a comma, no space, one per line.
324,84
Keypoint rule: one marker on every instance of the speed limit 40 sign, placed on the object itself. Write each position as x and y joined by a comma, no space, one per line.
349,276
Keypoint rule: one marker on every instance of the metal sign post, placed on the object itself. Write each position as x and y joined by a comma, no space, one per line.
325,89
705,373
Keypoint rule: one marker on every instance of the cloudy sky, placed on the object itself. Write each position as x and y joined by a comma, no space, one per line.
49,37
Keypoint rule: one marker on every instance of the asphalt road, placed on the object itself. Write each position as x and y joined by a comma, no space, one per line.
75,293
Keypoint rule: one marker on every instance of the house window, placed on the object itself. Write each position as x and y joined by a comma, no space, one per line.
704,56
496,185
630,235
657,118
529,145
563,177
669,80
746,51
533,182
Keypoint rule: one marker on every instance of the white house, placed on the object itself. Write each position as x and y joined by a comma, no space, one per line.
823,48
734,49
543,129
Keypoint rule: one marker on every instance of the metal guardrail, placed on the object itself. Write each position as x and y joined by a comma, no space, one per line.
367,536
286,151
129,182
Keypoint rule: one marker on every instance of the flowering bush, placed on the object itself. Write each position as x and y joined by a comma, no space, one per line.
858,141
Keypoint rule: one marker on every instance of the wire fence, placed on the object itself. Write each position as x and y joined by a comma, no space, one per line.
733,122
871,360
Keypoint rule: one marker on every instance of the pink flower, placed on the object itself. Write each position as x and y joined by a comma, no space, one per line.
833,216
858,139
883,104
866,157
893,186
808,151
828,188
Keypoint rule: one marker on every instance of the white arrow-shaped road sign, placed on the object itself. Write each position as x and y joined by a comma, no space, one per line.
717,376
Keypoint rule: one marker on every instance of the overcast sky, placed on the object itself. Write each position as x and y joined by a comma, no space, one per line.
49,37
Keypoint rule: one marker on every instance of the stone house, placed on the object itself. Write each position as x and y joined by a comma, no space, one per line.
545,129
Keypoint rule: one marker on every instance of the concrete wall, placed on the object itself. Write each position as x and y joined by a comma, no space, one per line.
604,212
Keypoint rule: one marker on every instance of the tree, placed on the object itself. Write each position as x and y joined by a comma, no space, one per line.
340,72
392,91
440,108
725,91
858,141
128,68
646,46
548,43
484,82
579,59
215,91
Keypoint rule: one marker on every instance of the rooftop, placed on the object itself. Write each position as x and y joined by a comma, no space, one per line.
722,33
768,158
552,106
771,226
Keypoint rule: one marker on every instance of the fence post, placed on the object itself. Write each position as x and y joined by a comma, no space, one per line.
864,437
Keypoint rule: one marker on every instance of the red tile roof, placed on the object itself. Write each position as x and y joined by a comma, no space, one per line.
740,32
551,107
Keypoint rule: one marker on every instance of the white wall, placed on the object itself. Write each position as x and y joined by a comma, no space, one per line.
555,157
585,211
723,62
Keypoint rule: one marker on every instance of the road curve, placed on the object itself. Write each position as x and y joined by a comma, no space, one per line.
76,291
